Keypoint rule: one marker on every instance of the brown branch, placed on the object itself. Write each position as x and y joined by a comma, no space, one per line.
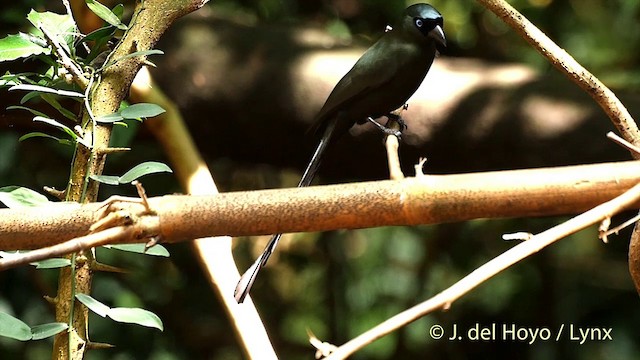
421,200
392,145
607,100
105,93
444,299
564,62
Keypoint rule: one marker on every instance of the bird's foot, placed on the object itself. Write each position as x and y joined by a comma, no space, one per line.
398,119
386,130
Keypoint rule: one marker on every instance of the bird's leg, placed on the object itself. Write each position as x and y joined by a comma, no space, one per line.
396,116
385,129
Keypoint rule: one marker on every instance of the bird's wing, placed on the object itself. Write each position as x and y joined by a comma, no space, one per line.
375,68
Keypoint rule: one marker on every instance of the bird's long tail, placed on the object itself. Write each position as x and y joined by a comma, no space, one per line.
247,279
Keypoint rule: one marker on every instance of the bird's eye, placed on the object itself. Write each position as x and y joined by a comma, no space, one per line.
419,23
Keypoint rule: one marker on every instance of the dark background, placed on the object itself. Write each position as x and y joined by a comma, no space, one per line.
339,284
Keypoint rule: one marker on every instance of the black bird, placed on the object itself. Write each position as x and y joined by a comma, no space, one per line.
381,81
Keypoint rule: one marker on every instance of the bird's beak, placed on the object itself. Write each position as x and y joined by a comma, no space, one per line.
438,35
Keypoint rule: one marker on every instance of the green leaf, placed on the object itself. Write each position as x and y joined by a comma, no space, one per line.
118,10
105,14
61,26
157,250
138,171
58,125
125,315
54,263
111,118
19,46
51,100
136,316
46,136
34,112
14,328
106,179
28,96
44,331
44,89
16,197
146,168
98,34
93,304
141,110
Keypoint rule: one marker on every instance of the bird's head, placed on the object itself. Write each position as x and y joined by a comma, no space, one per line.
424,21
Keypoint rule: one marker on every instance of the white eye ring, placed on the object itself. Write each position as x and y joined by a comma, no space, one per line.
419,23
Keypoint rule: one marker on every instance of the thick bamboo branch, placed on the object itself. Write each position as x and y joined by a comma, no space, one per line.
421,200
214,254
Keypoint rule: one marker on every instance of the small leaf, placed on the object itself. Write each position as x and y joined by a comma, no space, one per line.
93,304
45,89
125,315
157,250
58,125
30,95
105,14
108,119
46,136
146,168
19,46
106,179
14,328
54,263
44,331
51,100
136,316
103,32
16,197
34,112
118,10
141,110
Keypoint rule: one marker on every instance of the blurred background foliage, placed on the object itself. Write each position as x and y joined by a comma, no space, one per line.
341,283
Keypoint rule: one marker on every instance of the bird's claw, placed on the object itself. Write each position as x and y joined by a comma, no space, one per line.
397,118
388,130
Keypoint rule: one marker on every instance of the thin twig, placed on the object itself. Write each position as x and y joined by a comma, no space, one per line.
617,229
622,142
72,67
393,159
104,237
444,299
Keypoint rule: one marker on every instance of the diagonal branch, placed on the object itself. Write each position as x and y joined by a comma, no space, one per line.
559,58
444,299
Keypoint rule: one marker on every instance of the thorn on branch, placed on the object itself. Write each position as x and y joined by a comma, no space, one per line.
58,194
419,166
604,232
112,150
603,229
624,143
523,236
323,348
